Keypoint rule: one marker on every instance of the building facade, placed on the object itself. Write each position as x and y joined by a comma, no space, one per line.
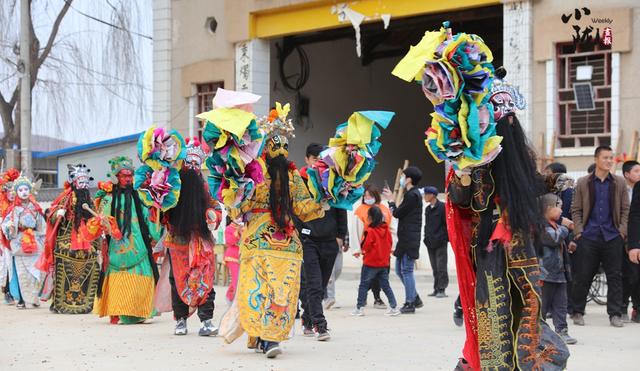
574,62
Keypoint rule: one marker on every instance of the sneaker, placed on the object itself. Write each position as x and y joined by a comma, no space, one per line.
634,316
379,304
434,293
329,302
272,350
458,318
463,365
578,319
307,331
616,321
392,312
207,329
358,312
564,334
417,303
21,306
441,294
408,308
323,335
181,327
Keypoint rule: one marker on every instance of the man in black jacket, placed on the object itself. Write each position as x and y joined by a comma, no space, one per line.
321,240
409,215
436,239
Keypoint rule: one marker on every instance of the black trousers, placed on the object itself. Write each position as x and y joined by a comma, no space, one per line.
573,258
318,259
438,259
630,283
181,310
554,301
591,255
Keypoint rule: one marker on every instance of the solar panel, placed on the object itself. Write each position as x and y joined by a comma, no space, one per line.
583,92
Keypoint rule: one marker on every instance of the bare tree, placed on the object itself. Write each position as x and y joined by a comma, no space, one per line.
63,66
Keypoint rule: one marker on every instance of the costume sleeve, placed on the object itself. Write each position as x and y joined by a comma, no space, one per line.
6,224
155,229
634,219
216,207
304,207
406,206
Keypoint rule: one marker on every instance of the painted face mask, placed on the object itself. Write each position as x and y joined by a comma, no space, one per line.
278,145
125,178
23,192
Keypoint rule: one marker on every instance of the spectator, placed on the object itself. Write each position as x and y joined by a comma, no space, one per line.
321,240
600,210
554,264
555,168
370,199
376,252
409,215
436,239
634,226
630,271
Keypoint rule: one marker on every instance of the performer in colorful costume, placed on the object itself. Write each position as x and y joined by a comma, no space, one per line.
127,283
270,249
6,199
190,246
492,210
68,252
24,228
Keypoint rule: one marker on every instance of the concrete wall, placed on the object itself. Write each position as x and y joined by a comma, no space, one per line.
96,160
548,30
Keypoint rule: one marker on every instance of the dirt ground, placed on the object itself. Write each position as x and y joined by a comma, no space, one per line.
38,340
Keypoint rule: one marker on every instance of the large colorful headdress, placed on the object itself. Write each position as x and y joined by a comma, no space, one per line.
505,98
118,164
79,174
8,177
348,161
23,181
278,129
236,143
456,76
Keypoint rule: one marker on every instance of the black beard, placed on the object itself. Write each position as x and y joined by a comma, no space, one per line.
83,196
279,197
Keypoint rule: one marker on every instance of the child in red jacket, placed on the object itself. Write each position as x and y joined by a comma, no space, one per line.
376,251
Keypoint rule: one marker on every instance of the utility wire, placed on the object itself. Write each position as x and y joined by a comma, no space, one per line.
107,23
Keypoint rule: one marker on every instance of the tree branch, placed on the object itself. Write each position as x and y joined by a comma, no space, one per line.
54,32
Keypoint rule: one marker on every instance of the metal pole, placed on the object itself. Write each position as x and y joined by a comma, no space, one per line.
25,88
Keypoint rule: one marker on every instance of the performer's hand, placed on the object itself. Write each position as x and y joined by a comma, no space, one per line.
60,213
105,224
572,247
634,256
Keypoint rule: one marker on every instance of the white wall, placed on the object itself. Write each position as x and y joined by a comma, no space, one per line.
97,160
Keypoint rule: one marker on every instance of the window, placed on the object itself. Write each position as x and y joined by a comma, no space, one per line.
204,96
591,127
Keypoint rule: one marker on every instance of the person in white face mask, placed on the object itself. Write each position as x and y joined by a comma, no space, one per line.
370,198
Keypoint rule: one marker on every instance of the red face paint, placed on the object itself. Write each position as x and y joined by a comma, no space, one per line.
125,178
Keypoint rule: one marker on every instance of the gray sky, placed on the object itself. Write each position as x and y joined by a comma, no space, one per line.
93,98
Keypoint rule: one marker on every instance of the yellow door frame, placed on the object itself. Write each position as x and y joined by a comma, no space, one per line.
317,15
